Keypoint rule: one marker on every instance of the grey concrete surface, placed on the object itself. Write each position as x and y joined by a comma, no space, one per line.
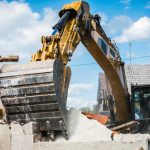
4,137
21,138
110,145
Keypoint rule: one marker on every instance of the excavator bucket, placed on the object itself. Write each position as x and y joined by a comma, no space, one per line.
36,92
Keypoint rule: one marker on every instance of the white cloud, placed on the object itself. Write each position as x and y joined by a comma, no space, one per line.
79,102
21,28
139,30
78,88
118,23
125,1
104,18
77,95
148,5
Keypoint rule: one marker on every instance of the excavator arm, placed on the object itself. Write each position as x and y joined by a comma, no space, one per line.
77,24
37,91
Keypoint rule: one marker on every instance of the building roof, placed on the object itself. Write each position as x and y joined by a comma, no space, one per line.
137,74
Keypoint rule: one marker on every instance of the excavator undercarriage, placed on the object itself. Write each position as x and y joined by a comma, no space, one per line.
33,92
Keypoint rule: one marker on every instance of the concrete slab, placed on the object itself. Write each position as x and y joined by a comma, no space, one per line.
4,137
85,135
22,142
20,139
111,145
131,137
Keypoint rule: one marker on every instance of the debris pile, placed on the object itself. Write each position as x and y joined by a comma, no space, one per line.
83,134
81,129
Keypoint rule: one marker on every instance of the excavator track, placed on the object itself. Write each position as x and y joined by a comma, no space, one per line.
36,92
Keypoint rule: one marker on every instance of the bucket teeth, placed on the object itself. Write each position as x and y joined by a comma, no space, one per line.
36,92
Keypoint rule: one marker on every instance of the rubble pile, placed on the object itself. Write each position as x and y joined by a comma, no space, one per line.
83,129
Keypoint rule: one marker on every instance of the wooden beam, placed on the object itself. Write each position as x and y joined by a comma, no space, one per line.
9,59
125,126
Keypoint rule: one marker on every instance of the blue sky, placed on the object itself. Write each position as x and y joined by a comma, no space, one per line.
25,21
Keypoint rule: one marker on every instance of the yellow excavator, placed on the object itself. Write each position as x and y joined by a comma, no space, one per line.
37,91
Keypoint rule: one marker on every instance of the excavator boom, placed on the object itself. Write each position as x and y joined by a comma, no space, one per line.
77,24
38,91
